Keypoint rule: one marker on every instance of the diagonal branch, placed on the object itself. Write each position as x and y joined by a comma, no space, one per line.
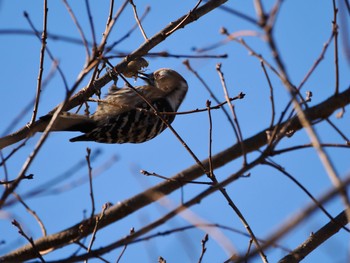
316,239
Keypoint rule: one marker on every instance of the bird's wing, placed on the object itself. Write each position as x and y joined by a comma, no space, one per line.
125,99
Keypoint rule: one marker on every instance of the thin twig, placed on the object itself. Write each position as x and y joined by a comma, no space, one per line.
33,213
48,51
40,143
181,181
336,56
138,20
188,66
260,13
110,23
96,226
41,64
181,23
7,182
347,141
6,175
80,181
30,104
219,106
80,30
303,188
344,25
166,54
92,27
46,187
87,157
204,249
250,243
132,230
317,62
127,34
238,14
271,95
110,14
238,131
210,139
82,246
29,239
229,38
202,226
298,147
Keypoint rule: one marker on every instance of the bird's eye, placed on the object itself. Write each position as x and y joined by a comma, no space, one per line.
156,75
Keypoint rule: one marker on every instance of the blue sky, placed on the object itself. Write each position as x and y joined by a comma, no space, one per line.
266,198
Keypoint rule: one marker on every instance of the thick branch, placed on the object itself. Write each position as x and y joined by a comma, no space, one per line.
316,239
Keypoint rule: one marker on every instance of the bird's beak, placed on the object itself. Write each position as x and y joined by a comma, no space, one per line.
149,78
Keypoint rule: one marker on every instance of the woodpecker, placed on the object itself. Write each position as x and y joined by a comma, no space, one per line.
124,116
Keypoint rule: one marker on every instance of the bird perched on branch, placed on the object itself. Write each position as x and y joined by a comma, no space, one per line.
127,115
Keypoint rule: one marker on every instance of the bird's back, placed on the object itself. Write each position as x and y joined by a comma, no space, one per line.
133,126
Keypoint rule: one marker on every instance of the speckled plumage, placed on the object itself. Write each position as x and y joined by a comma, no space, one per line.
124,117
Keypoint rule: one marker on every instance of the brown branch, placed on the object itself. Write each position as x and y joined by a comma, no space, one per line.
138,20
41,64
336,56
298,147
33,213
97,221
204,249
346,139
92,27
271,94
184,20
182,182
79,28
132,230
127,34
166,54
316,239
237,129
29,239
211,172
87,157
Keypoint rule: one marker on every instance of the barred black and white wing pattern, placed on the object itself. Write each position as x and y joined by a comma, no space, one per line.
124,116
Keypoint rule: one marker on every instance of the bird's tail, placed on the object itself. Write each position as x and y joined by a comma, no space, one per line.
65,122
69,122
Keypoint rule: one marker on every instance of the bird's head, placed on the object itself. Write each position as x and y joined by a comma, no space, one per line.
167,84
165,79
